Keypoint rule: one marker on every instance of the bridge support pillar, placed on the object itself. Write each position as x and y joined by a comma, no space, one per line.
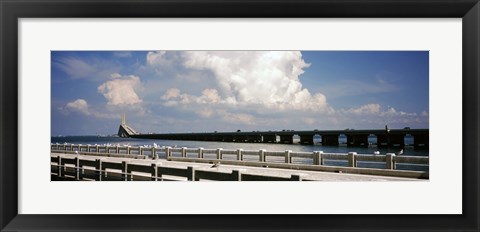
330,140
240,138
390,140
357,140
382,140
269,138
286,139
254,138
306,139
420,141
217,138
397,140
227,138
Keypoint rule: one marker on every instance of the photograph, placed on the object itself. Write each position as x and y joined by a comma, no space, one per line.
239,115
278,115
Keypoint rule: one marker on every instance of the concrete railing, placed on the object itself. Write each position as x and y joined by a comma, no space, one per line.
83,169
219,155
87,148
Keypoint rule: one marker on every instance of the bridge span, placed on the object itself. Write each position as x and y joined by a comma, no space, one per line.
355,138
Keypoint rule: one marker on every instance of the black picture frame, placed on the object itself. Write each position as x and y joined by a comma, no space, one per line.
11,11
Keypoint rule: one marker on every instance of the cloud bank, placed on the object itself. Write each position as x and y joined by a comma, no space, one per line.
252,79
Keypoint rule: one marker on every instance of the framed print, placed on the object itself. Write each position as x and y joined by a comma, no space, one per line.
221,41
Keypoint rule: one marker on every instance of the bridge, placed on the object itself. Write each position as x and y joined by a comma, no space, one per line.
355,138
125,131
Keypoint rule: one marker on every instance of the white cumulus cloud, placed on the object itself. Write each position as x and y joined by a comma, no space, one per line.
157,58
260,79
171,93
79,105
210,95
393,112
365,109
120,90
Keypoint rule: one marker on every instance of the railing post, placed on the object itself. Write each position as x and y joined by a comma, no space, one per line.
117,150
98,168
159,173
322,159
168,152
236,175
96,149
88,148
125,175
288,156
154,153
239,154
60,167
128,150
352,162
200,152
296,177
77,168
154,172
219,153
80,171
317,156
184,152
261,155
390,159
191,173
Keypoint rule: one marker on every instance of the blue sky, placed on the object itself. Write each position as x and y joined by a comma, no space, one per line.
198,91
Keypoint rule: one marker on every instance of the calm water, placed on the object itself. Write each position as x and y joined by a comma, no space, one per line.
246,146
